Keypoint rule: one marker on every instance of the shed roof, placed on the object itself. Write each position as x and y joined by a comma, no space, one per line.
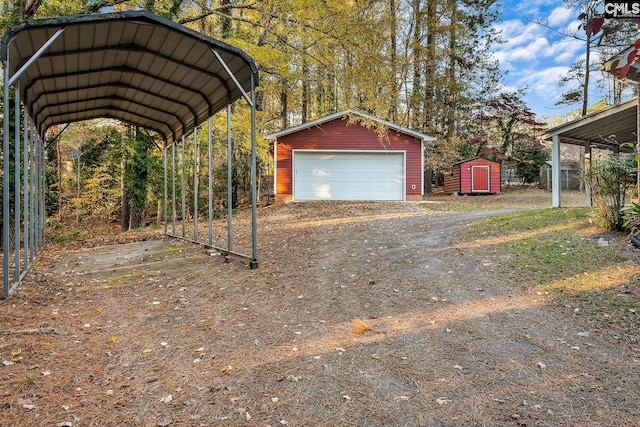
133,66
346,113
472,159
607,128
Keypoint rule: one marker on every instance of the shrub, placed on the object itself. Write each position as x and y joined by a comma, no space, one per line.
610,179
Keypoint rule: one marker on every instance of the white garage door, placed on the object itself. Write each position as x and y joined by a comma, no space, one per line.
348,175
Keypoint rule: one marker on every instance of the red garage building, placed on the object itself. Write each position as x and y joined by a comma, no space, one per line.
348,156
475,176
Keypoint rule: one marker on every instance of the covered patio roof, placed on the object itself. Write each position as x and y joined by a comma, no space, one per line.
614,128
133,66
605,129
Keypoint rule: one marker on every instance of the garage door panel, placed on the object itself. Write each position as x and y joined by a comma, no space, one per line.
348,176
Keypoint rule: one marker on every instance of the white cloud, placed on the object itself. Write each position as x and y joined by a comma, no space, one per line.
560,16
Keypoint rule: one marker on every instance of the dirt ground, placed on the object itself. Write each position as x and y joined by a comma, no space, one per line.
361,314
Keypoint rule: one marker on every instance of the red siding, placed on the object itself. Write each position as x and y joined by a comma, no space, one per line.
337,135
452,180
465,175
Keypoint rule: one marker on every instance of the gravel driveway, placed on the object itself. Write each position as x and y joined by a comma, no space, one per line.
360,314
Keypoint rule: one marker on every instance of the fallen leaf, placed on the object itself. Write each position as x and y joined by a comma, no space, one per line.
442,401
457,367
359,327
226,369
113,338
166,399
147,350
16,352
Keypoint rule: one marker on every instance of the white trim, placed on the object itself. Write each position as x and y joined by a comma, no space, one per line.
404,164
275,167
421,168
421,136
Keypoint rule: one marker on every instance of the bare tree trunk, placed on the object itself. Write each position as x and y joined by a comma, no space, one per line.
284,122
416,45
393,106
305,90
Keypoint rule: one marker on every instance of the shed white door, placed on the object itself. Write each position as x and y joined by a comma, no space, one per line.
348,175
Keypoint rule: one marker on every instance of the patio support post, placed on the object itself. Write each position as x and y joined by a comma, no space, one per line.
555,171
587,187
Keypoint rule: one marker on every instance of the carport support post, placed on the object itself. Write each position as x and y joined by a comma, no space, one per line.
184,200
210,162
166,190
32,193
16,178
254,179
25,183
555,171
5,186
195,184
173,185
229,181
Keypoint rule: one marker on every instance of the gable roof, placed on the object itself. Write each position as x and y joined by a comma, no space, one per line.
346,113
133,66
472,159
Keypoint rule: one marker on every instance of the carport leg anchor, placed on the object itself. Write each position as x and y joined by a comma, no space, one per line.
253,264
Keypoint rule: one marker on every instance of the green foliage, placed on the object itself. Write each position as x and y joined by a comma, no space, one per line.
610,179
631,218
136,173
529,157
56,238
101,195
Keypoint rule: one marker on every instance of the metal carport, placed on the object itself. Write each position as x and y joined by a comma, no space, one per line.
132,66
606,129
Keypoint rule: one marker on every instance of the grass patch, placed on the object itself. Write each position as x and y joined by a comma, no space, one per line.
555,251
540,247
56,238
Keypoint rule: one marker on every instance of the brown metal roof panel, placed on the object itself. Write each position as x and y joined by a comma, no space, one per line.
128,48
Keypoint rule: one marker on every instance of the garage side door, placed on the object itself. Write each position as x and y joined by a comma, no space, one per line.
348,176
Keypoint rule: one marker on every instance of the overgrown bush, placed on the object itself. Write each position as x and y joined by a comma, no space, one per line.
610,179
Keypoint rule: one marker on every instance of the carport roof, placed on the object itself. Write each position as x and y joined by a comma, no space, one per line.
132,66
606,129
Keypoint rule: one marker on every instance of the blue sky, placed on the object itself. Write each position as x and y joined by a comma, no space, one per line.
536,56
